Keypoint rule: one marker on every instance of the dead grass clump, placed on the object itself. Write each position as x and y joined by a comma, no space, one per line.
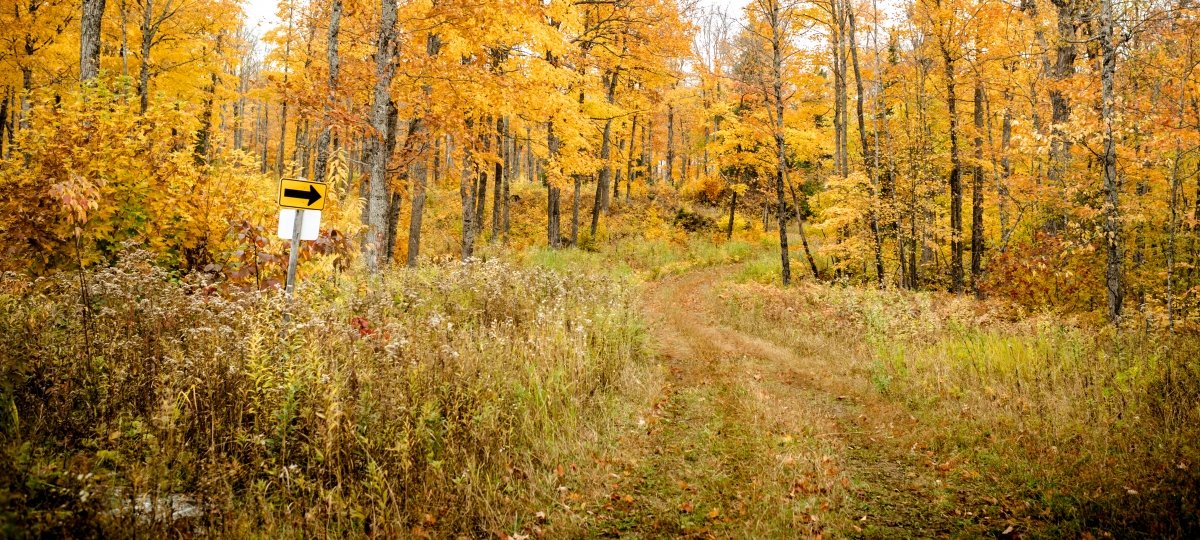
414,402
1086,428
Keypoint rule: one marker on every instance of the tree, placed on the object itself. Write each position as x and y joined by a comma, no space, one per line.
377,195
89,39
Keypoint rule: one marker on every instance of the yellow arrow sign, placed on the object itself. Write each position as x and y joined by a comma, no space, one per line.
302,194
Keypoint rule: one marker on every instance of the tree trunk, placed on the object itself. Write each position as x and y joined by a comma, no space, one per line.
732,209
418,172
331,53
148,30
670,175
1173,224
617,176
1060,144
204,133
466,192
777,42
575,212
812,264
390,141
601,201
553,193
629,161
873,212
510,171
385,70
1005,173
841,156
481,188
4,120
26,90
956,228
239,111
977,246
648,152
554,216
530,174
1112,183
393,223
89,39
498,182
261,136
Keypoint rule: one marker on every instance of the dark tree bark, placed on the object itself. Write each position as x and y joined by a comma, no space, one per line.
670,176
629,161
956,226
466,192
575,211
732,210
261,136
498,182
618,173
418,173
419,170
977,245
600,203
481,187
4,120
1060,106
510,168
553,193
1112,183
394,201
1005,173
812,264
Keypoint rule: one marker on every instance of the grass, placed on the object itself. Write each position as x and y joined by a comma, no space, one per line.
415,403
1071,429
526,394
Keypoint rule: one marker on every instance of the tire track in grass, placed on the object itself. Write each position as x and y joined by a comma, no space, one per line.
748,441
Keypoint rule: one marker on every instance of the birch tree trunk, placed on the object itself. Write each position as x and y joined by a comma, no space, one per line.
377,194
331,53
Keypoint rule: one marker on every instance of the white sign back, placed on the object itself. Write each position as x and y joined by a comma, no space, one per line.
309,229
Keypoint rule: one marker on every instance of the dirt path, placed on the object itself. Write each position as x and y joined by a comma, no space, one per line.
754,440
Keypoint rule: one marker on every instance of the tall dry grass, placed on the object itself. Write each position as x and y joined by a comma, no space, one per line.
1078,428
431,402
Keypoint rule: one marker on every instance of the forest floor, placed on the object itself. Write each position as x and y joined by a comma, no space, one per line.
754,438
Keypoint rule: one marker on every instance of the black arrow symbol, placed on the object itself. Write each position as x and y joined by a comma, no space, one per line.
312,195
